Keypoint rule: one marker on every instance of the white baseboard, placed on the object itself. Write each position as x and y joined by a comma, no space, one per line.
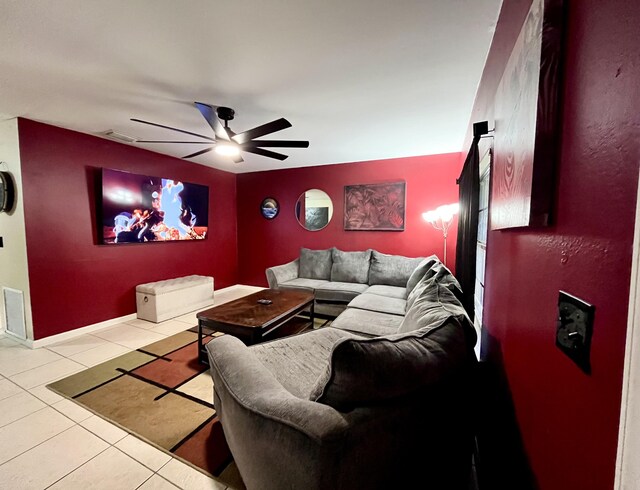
76,332
231,288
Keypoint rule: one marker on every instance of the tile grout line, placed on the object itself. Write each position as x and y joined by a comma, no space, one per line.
13,383
150,476
49,347
32,413
77,467
5,425
62,356
87,367
137,328
87,350
40,443
99,436
41,365
142,462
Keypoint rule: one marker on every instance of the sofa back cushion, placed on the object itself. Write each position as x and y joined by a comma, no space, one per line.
444,277
350,266
315,264
436,270
434,305
417,291
391,270
363,372
419,272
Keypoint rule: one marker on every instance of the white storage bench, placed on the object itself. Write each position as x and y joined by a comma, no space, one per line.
162,300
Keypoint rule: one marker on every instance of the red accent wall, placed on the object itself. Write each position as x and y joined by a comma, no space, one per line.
431,182
74,280
568,421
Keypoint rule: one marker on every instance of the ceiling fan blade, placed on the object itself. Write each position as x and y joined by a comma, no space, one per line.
173,129
206,150
266,153
184,142
209,113
270,127
275,144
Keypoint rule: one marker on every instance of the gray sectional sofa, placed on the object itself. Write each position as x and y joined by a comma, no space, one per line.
380,399
337,277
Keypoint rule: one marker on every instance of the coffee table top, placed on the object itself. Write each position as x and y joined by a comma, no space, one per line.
247,312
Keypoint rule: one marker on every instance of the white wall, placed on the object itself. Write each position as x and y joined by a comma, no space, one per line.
13,256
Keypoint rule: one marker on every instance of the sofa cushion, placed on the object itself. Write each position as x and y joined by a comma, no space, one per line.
419,272
339,291
417,291
350,266
435,305
362,372
439,273
390,291
303,283
367,322
297,361
445,278
392,270
315,264
383,304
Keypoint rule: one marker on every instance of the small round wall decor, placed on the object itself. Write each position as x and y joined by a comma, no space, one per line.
7,192
269,208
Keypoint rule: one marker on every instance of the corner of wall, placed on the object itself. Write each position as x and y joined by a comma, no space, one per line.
237,196
13,254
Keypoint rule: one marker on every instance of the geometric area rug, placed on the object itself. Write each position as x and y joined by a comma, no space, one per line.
160,393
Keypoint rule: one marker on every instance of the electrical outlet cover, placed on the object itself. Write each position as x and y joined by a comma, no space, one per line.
574,329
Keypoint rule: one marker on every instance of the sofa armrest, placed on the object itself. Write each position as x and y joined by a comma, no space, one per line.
282,273
277,440
238,372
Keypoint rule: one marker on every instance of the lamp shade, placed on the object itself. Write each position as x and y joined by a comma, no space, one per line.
430,216
444,213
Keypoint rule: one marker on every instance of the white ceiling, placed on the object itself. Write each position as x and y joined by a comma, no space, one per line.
360,79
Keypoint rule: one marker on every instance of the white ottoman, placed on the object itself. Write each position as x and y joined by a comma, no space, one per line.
162,300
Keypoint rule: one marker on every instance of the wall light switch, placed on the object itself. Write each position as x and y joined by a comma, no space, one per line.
574,329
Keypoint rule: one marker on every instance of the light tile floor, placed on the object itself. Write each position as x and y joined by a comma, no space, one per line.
47,441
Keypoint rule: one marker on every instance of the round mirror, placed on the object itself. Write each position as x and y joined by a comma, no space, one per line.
314,209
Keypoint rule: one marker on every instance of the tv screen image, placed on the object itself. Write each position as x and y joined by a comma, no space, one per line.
139,208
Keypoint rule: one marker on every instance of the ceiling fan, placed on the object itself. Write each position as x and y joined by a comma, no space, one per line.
228,143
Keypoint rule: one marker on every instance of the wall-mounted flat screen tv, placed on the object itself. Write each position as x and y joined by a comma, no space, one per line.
139,208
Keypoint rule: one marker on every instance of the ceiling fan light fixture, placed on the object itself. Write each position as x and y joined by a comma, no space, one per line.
227,150
227,142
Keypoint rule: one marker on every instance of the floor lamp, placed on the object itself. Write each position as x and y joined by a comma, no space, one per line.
441,218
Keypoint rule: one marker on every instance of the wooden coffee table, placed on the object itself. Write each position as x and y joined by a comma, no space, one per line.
253,322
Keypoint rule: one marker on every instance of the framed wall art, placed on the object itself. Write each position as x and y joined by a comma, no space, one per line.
269,208
527,123
374,207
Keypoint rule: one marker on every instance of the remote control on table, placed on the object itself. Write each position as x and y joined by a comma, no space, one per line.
264,301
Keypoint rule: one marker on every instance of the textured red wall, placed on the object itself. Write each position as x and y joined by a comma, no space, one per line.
431,181
568,421
75,281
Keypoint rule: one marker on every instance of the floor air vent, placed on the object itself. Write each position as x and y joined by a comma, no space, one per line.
14,312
